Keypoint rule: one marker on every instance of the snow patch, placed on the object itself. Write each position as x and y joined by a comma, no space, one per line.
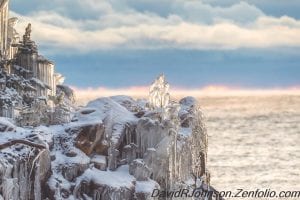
117,179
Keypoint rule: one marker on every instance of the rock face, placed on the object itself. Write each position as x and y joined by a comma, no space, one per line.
139,170
90,138
30,89
24,177
187,111
114,148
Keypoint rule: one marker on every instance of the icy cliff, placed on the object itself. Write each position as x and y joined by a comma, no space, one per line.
114,148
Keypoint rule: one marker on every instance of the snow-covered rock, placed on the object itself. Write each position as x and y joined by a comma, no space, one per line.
110,185
107,152
188,106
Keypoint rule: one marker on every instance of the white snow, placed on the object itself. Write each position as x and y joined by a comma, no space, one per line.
97,110
44,133
117,179
98,159
80,158
146,186
105,105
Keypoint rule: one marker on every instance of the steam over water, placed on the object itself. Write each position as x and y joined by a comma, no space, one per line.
254,142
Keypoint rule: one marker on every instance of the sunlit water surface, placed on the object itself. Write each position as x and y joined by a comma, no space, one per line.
254,142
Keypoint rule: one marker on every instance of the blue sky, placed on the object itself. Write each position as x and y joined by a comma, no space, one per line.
196,43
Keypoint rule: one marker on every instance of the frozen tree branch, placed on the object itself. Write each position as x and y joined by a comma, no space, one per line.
19,141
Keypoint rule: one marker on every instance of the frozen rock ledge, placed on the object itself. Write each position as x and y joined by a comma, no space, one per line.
115,148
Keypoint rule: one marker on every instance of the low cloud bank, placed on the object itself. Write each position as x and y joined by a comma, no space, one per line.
83,95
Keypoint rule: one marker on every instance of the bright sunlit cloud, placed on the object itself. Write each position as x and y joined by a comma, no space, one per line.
187,25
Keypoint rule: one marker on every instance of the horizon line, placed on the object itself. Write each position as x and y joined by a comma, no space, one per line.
90,93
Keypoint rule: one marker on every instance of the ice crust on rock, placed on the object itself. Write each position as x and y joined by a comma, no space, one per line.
108,151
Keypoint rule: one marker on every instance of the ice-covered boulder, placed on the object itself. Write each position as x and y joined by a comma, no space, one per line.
134,106
96,111
188,107
105,127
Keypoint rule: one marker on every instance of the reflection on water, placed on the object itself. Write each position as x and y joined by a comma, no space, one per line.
254,141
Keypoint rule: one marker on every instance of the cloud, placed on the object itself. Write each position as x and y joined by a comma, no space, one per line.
185,25
195,11
283,21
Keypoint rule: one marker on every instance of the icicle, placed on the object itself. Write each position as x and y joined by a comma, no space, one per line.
199,143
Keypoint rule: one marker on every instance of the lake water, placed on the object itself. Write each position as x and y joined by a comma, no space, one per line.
254,142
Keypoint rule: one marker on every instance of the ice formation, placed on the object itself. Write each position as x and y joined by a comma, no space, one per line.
114,148
159,96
